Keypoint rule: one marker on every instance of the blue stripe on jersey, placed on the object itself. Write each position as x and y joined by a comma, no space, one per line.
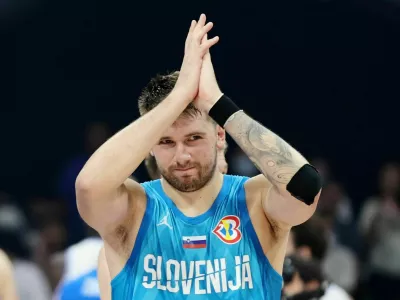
195,242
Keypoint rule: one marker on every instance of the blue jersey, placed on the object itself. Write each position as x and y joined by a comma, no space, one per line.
85,287
216,255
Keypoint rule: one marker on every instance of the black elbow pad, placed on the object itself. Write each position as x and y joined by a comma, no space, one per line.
305,184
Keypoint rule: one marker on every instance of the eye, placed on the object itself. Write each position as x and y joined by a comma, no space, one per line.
194,138
165,142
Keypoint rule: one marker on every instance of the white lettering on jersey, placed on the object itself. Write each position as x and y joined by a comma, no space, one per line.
196,277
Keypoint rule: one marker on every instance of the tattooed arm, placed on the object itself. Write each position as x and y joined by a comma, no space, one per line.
278,162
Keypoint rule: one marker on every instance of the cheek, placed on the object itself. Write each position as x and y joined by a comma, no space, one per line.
164,156
203,152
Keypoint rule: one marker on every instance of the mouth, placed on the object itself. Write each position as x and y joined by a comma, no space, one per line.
184,169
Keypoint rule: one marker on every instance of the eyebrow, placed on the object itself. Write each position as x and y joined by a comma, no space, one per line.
186,135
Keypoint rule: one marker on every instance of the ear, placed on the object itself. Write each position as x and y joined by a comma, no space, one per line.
221,138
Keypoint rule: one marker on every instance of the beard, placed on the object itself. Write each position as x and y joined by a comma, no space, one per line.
190,183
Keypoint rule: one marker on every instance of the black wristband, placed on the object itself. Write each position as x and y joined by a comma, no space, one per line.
222,110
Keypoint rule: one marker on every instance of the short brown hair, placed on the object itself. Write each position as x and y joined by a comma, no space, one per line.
312,234
157,90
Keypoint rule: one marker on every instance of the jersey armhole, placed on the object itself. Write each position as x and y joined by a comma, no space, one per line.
248,226
144,225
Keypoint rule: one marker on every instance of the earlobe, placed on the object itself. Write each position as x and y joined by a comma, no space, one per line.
151,153
220,144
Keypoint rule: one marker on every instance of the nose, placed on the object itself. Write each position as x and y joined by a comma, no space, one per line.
182,156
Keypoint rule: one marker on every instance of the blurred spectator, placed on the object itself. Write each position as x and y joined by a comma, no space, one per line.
51,239
30,279
79,264
43,211
379,224
344,212
304,280
95,135
340,263
311,241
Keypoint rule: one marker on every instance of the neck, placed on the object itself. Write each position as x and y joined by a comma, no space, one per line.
198,202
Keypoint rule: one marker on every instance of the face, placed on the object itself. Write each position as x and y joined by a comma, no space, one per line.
389,178
186,154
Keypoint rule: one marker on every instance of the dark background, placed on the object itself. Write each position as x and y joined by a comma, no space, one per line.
322,74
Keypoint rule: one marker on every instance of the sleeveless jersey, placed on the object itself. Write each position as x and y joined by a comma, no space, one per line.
79,280
85,287
215,255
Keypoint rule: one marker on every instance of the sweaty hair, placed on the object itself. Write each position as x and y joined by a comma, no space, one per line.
157,90
311,234
152,168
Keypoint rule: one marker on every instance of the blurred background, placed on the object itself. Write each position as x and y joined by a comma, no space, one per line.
324,75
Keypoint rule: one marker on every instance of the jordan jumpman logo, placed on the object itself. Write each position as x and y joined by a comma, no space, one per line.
164,221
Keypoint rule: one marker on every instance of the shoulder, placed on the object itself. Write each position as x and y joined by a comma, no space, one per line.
7,283
256,187
5,264
334,292
151,187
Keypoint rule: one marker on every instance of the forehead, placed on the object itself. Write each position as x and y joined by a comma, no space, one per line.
188,124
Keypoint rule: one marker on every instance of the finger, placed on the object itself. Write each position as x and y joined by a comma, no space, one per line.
201,22
209,43
192,26
205,30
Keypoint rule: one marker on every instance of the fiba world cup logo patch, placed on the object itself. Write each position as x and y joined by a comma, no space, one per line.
227,230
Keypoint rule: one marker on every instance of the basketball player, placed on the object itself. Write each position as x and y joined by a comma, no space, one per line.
8,290
196,233
79,263
103,274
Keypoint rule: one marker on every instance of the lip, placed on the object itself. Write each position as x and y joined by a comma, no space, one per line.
184,170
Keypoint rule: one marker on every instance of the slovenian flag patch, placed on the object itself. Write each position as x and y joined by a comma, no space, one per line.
194,242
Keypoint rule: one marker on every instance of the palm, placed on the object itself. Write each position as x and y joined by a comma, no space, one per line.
209,91
195,49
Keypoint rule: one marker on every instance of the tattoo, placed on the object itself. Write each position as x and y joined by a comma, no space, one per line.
272,156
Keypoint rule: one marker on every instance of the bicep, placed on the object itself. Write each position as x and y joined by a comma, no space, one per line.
106,212
103,275
282,210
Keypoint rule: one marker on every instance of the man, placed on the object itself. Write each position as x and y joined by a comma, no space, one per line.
103,274
304,280
79,262
308,241
8,290
191,233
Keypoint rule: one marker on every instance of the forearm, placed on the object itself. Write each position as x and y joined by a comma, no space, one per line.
119,157
274,158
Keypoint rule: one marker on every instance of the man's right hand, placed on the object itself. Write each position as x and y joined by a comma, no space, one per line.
195,49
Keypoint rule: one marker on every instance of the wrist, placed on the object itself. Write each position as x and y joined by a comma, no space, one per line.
213,100
181,95
222,110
